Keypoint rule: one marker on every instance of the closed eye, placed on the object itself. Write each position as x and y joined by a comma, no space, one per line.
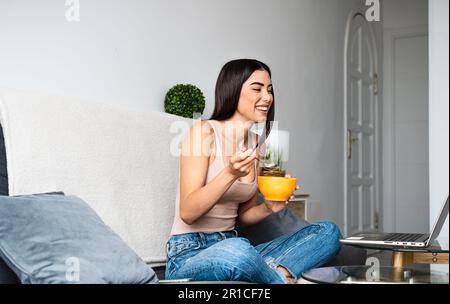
259,90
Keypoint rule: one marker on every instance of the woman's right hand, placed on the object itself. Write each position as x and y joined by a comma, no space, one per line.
242,162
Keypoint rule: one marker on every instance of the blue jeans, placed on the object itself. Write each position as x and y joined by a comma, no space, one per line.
223,256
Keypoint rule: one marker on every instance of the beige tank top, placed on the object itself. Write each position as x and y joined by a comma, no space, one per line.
223,216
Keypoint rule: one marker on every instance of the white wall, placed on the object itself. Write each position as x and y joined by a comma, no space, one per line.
439,110
131,52
404,13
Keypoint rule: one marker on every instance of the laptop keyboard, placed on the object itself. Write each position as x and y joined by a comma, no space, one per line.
402,237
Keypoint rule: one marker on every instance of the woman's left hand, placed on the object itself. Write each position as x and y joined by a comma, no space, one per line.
277,206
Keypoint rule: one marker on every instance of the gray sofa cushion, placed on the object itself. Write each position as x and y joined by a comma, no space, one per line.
60,239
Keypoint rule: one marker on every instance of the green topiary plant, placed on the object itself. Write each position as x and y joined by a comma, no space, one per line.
184,100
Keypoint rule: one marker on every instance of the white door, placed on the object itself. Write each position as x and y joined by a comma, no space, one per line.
361,119
405,112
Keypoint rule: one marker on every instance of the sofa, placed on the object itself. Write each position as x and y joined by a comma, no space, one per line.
122,162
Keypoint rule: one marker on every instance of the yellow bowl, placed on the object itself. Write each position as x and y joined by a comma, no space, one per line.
275,188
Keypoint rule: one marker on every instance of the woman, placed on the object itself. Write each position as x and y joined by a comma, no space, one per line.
218,173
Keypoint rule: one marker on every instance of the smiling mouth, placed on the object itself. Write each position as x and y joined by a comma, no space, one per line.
263,109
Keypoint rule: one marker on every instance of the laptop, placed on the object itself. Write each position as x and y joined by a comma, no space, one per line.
401,239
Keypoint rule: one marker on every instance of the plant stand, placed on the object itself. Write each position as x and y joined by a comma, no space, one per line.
299,205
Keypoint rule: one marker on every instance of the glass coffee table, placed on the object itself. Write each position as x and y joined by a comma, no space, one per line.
416,274
436,253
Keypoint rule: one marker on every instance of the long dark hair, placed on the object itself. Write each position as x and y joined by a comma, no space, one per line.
229,86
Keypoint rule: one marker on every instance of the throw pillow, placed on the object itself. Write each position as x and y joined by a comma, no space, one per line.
60,239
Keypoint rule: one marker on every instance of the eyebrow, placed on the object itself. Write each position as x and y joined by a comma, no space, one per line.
261,84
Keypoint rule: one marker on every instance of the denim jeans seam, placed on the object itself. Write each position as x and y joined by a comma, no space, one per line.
327,234
203,268
307,238
268,253
296,244
170,270
287,252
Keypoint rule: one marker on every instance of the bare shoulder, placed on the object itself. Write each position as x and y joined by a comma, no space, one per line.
200,137
202,129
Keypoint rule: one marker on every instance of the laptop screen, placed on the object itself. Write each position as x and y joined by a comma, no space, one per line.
439,223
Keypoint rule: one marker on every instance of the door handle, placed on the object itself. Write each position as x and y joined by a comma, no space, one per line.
350,142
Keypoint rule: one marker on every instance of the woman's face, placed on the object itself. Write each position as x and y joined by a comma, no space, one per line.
256,97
